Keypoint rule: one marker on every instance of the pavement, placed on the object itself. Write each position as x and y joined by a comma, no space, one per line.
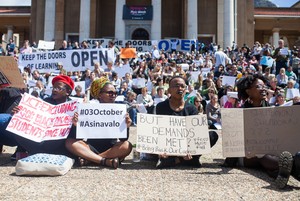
141,181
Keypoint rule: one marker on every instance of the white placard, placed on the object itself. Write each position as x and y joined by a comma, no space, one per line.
123,70
228,80
38,120
292,93
139,82
284,51
46,45
172,135
101,121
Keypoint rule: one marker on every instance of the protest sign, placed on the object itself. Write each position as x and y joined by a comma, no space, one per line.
228,81
252,131
46,45
9,73
101,121
139,82
172,135
122,70
292,93
72,60
38,120
284,51
183,45
128,53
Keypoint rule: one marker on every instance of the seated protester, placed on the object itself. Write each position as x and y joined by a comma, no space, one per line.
197,101
176,106
105,152
252,89
9,99
116,81
131,106
78,92
213,112
232,101
62,88
124,89
290,85
282,78
146,99
279,99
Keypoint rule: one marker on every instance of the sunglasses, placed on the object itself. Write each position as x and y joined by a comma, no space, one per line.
110,93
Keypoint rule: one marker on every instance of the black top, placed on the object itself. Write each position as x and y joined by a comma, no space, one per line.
163,108
264,103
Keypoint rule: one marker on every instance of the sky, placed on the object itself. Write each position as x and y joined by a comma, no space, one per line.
284,3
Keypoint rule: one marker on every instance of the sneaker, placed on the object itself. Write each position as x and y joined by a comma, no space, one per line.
165,162
285,167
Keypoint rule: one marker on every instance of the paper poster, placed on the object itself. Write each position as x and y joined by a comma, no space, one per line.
172,135
101,121
38,120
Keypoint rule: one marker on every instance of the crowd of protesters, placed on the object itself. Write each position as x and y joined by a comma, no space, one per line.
278,66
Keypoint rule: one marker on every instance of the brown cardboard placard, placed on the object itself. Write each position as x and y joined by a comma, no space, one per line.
10,71
254,131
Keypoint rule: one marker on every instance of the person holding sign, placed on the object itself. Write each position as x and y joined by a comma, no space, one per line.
281,56
62,89
252,89
105,152
176,105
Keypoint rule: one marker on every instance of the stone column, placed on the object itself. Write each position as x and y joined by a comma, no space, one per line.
228,23
49,25
192,19
120,23
84,26
10,33
156,20
275,37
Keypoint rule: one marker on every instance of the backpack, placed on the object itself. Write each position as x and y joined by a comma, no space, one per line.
9,98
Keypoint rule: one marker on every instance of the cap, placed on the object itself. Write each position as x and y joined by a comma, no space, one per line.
65,79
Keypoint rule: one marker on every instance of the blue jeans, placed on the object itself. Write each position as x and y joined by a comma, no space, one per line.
132,115
6,138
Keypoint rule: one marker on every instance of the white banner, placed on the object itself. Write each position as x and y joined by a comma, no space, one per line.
72,60
101,121
172,135
38,120
183,45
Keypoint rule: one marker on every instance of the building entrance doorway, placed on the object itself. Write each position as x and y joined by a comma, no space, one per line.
140,34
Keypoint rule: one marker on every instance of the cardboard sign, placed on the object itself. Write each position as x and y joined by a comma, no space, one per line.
101,121
72,60
172,135
9,73
128,53
38,120
253,131
139,82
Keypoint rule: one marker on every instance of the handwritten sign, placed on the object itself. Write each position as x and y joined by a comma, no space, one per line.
252,131
173,135
101,121
38,120
9,73
46,45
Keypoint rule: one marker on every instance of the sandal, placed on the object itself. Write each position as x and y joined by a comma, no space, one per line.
110,162
82,162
